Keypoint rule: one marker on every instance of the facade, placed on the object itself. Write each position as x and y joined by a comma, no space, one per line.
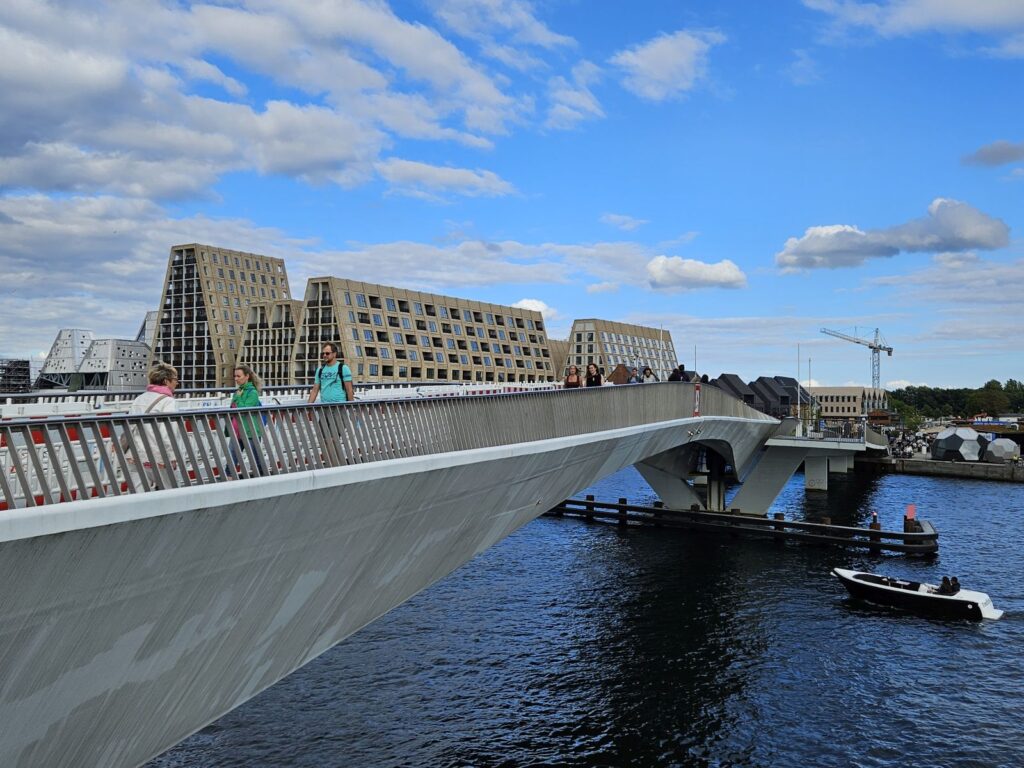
147,331
114,364
559,354
268,347
608,344
850,402
205,306
391,334
65,356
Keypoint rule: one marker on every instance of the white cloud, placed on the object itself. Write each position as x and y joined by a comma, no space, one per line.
949,226
550,314
424,180
573,101
896,18
667,66
606,287
483,19
627,223
673,273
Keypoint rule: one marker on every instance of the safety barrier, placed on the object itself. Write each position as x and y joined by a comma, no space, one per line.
53,460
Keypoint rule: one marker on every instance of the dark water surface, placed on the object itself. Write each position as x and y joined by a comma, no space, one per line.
585,645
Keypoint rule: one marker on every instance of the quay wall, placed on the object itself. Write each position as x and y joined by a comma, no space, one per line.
1011,473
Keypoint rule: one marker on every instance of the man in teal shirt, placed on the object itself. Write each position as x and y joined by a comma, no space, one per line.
333,380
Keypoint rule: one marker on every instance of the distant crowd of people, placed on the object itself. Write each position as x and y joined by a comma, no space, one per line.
594,376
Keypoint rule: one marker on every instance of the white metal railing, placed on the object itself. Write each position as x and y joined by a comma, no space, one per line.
46,461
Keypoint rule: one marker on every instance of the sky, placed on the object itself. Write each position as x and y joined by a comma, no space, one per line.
741,174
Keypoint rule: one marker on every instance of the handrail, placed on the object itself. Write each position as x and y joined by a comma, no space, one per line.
52,460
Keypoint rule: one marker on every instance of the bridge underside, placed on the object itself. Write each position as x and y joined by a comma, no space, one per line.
128,623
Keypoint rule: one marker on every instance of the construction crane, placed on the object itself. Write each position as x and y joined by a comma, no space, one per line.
876,346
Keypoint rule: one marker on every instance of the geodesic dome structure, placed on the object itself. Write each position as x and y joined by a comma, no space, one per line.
1001,450
958,444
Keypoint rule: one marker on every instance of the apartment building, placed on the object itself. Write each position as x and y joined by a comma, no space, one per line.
608,343
271,331
204,309
392,334
850,402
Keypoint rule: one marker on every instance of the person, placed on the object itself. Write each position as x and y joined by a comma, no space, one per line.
954,585
333,379
945,588
157,399
572,378
677,374
593,377
634,376
649,377
247,396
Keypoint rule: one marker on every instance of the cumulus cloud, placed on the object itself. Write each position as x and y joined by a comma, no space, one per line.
606,287
424,180
950,226
667,66
550,314
997,153
103,99
672,273
621,221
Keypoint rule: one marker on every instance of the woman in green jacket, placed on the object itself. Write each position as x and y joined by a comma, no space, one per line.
247,396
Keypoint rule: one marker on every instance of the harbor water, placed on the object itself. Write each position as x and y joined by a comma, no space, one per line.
574,644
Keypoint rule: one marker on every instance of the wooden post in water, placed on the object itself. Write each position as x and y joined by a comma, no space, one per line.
623,519
875,526
778,526
658,506
589,507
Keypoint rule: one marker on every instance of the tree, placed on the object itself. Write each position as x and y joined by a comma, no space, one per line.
990,401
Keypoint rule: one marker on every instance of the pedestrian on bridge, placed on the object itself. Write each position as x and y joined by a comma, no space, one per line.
247,396
649,376
157,399
593,376
333,379
572,378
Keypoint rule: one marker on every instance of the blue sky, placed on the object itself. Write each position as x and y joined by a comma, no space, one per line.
741,174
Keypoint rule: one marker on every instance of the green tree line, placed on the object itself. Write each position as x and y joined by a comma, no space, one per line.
994,399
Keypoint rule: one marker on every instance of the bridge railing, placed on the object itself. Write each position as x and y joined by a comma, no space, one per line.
52,460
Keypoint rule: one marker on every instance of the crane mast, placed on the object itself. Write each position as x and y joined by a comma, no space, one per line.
876,346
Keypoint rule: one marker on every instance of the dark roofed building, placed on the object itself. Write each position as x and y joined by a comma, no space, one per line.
773,396
734,385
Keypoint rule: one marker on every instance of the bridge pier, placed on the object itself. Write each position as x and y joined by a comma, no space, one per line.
816,473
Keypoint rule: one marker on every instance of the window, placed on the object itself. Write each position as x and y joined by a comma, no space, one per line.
355,334
348,299
377,319
385,352
425,341
397,338
367,334
374,368
360,300
417,308
443,312
432,326
406,323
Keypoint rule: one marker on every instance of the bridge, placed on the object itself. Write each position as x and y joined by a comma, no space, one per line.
148,584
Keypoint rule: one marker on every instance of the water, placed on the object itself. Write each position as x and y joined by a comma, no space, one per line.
586,645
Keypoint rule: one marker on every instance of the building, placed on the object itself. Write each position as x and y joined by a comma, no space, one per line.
147,331
850,402
608,344
775,400
392,334
271,331
733,384
65,356
559,354
205,307
15,375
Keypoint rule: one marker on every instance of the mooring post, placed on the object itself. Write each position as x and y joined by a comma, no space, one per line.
875,537
778,526
658,506
623,519
588,506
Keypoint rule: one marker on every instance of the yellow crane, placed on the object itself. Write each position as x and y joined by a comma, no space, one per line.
876,346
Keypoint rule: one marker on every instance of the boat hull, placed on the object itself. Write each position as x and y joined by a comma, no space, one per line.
921,600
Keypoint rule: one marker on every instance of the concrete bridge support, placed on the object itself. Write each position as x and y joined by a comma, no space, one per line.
816,473
840,464
763,484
